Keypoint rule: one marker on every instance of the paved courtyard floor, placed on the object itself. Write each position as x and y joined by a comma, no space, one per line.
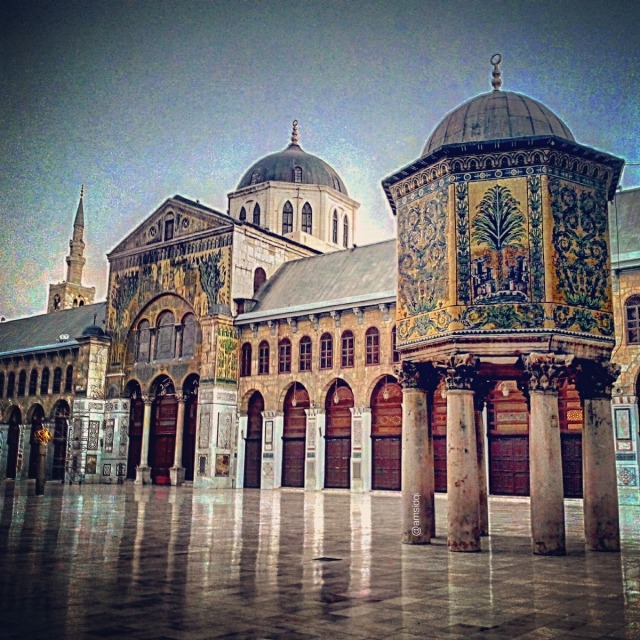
160,563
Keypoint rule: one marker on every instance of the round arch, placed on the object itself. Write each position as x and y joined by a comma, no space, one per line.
386,434
253,441
162,430
296,401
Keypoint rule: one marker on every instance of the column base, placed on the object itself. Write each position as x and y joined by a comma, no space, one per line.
176,475
143,474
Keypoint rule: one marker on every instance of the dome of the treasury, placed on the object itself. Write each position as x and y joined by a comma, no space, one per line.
497,115
293,165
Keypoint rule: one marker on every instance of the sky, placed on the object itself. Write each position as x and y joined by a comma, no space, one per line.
141,100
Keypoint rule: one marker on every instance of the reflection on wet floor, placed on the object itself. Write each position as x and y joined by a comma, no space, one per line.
163,563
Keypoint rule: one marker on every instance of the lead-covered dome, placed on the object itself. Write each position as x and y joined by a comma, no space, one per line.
498,115
295,165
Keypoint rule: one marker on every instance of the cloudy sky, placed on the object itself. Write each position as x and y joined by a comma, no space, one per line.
141,100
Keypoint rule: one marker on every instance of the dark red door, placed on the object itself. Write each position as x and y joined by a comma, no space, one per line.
387,461
162,443
293,436
572,464
509,465
189,436
338,461
338,438
59,447
136,417
386,435
438,415
253,443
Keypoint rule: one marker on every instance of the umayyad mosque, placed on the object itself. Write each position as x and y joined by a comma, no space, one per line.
492,348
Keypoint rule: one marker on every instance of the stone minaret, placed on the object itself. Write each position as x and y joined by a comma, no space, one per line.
71,293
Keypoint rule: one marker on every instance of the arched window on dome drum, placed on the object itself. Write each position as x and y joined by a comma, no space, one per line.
307,218
263,358
189,329
633,319
297,174
347,350
68,379
284,356
345,232
44,382
326,351
287,218
372,339
57,380
33,382
22,382
336,184
256,214
11,384
165,336
259,278
243,214
305,354
334,227
245,360
1,385
144,340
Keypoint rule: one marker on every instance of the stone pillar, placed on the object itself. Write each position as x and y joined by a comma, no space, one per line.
143,471
418,483
240,448
463,487
481,389
601,523
545,453
310,450
176,473
366,449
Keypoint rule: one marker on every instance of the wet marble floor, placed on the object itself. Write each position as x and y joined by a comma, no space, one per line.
160,563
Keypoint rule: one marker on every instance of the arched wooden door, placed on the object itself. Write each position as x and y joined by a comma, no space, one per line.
386,435
438,417
293,436
136,417
37,418
571,422
189,435
253,443
13,442
60,433
338,407
162,440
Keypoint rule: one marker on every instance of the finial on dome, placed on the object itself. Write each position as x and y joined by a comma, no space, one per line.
294,133
496,81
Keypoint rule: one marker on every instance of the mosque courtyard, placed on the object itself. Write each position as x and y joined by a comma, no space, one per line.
160,563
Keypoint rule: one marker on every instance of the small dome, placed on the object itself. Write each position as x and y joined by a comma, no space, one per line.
93,330
293,165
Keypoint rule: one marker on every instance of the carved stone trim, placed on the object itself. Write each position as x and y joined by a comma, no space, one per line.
545,370
459,371
336,317
596,379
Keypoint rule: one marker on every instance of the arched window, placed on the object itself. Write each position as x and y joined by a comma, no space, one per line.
44,382
334,227
326,351
297,174
259,278
284,356
347,350
33,382
336,184
1,385
372,338
633,320
168,229
81,303
256,214
345,232
189,330
263,358
22,382
144,341
243,214
68,379
245,361
165,336
307,218
305,354
11,384
287,218
57,380
394,337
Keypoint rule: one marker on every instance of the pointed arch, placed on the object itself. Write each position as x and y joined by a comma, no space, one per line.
307,218
334,227
293,437
287,218
243,214
253,442
256,214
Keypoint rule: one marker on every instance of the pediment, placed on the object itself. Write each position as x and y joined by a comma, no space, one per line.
175,219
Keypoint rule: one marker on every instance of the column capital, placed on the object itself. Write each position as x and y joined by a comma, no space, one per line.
545,370
408,375
594,379
147,399
459,371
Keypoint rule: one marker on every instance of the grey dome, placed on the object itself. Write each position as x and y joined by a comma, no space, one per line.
93,330
497,115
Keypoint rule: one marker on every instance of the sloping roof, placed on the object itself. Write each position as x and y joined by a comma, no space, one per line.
37,333
624,228
333,280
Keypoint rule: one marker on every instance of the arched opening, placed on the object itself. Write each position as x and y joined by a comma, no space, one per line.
162,434
438,419
259,278
338,405
190,389
386,435
253,443
571,421
293,436
189,336
37,418
61,413
13,442
165,336
136,418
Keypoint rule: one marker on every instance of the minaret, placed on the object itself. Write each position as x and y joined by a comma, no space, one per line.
71,293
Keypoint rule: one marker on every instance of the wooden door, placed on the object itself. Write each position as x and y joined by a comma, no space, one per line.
293,436
253,443
338,438
572,464
136,417
59,447
509,465
13,438
189,436
338,462
438,417
386,435
387,463
162,443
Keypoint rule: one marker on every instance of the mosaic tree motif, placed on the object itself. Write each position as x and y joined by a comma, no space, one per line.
213,275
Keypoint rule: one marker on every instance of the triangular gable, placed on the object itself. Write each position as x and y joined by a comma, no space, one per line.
188,218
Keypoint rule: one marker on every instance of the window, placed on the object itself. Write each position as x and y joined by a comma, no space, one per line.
68,379
263,358
284,356
57,380
168,229
144,341
245,360
336,183
326,351
307,217
44,382
334,227
11,384
633,320
1,384
189,329
297,174
287,218
305,354
22,382
33,382
259,278
243,214
347,351
372,338
345,232
165,336
396,354
256,214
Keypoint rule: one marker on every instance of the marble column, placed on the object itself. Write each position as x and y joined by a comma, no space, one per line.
480,394
545,453
143,471
463,487
176,473
418,484
601,519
